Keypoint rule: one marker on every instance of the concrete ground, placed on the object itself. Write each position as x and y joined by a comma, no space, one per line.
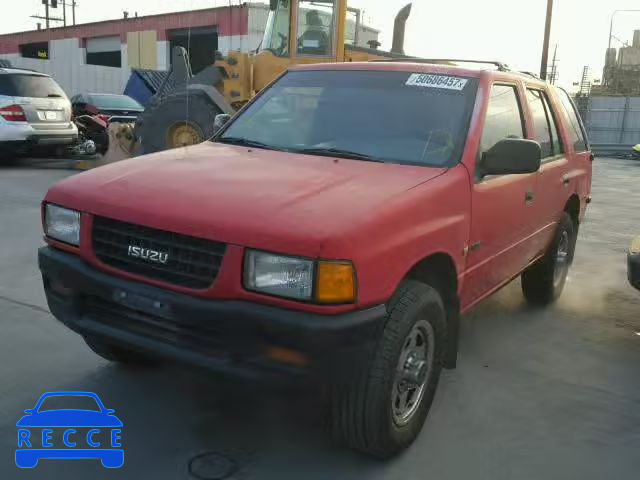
538,394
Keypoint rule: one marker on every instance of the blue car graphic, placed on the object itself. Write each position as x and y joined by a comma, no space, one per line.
100,419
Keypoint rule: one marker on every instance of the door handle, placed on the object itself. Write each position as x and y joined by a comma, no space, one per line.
566,180
528,197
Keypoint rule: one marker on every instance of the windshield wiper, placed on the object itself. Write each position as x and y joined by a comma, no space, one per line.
245,142
338,152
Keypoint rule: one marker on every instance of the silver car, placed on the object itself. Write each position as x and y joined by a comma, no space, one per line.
34,111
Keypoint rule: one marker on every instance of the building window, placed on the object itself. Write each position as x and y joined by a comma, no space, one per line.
38,50
104,51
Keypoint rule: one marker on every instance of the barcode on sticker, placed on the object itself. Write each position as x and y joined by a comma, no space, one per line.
436,81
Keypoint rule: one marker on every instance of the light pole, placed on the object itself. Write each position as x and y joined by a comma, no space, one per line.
611,34
611,27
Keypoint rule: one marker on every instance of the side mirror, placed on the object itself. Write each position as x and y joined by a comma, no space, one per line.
511,156
220,121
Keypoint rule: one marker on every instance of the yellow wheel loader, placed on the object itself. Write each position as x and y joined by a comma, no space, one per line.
298,31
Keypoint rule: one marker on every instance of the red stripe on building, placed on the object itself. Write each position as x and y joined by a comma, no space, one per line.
229,21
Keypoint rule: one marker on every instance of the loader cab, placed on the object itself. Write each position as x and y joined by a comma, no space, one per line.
300,31
306,28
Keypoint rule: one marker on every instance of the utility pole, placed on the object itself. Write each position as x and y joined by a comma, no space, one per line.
554,69
47,17
545,43
64,12
46,12
73,9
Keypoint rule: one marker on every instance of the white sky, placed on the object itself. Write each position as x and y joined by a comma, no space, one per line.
506,30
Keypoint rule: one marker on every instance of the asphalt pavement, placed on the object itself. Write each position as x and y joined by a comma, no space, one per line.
538,394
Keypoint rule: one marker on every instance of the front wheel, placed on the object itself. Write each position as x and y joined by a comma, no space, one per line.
383,408
543,282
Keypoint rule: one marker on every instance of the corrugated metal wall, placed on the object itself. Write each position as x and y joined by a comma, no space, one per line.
613,120
71,73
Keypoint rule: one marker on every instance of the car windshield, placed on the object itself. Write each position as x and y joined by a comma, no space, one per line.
114,102
69,402
31,86
395,117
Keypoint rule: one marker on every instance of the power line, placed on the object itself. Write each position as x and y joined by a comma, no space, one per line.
49,4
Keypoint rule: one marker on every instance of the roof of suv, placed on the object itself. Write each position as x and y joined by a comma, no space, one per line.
8,71
466,68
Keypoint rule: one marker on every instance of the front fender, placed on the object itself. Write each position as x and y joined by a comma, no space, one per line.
430,218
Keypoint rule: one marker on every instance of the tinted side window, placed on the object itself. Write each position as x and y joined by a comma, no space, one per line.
540,122
558,148
504,117
573,122
546,130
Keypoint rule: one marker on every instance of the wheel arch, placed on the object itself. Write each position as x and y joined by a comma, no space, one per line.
572,207
438,270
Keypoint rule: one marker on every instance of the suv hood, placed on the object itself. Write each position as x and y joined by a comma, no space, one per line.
249,197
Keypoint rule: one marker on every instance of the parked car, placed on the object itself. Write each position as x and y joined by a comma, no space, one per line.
113,108
337,227
633,263
34,111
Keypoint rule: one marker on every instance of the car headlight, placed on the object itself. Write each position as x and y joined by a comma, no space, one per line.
635,246
62,224
279,275
302,279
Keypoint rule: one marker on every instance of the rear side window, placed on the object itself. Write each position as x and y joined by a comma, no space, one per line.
576,133
33,86
546,133
504,117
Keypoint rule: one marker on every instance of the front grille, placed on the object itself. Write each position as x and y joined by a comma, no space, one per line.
191,262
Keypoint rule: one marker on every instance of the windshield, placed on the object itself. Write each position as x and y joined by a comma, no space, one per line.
276,33
69,402
386,116
31,86
114,102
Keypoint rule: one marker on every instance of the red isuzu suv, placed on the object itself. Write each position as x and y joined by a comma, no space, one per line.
336,228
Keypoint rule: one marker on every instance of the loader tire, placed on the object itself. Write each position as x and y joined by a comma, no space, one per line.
166,124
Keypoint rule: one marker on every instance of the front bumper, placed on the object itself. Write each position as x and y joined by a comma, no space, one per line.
234,337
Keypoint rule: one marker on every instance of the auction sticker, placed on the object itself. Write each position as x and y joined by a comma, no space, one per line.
445,82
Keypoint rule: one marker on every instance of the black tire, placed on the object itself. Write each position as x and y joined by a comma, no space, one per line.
114,353
362,408
160,116
540,284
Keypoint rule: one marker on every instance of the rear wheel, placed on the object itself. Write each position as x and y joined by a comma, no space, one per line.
543,282
382,409
180,119
114,353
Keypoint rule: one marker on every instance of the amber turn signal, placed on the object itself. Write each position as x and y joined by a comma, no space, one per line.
285,355
336,283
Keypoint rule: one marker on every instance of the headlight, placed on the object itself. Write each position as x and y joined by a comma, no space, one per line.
326,282
278,275
62,224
